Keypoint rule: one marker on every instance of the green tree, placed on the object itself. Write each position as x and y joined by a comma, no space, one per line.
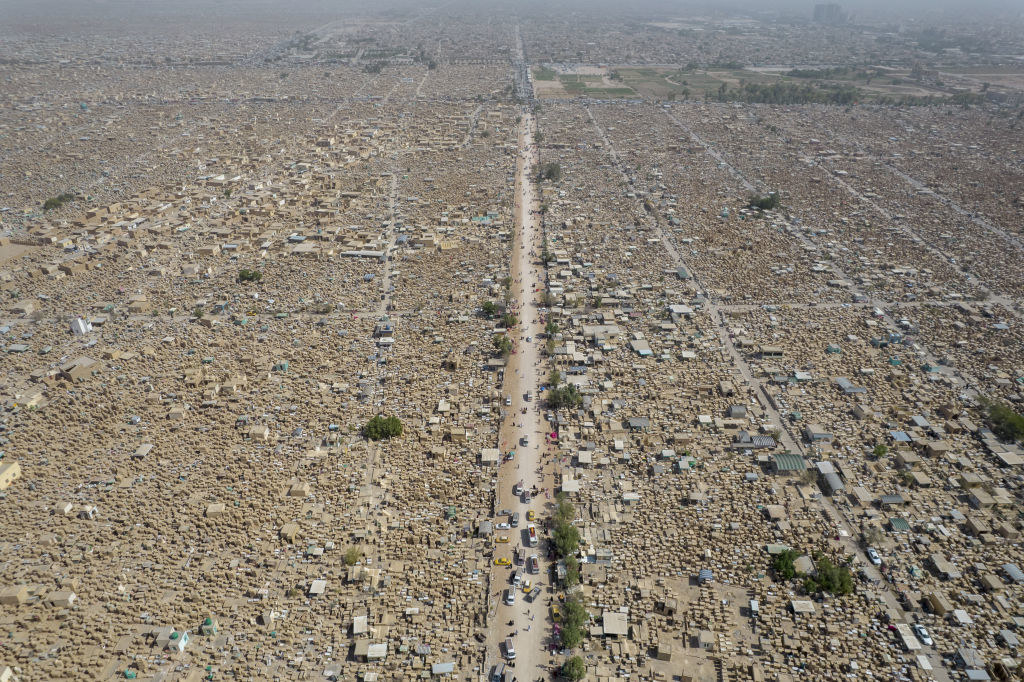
552,170
574,669
833,578
249,275
554,378
502,344
571,636
551,328
508,320
567,538
573,613
490,308
880,450
783,564
545,255
572,571
382,428
564,509
1006,423
567,396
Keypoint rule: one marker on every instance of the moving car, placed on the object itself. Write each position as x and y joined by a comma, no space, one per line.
873,556
922,634
515,520
510,596
517,489
531,515
534,564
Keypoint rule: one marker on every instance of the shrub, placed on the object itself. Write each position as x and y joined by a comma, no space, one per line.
352,555
249,275
767,202
57,201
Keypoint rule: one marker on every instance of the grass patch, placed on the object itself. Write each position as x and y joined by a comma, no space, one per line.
609,92
543,74
578,78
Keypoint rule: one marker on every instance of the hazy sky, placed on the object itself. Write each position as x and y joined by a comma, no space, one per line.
59,13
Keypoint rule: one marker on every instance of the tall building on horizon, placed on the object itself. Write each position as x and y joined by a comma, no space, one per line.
829,13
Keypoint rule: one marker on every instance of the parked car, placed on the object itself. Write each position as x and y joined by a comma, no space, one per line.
515,520
873,556
922,634
534,564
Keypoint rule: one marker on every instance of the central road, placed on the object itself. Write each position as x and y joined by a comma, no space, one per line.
523,432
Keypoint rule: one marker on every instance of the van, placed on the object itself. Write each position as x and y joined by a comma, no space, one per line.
498,672
510,649
515,520
517,579
510,596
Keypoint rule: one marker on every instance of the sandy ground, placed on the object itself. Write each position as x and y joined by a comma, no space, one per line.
12,251
531,629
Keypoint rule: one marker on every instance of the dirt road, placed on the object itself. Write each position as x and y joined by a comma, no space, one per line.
525,434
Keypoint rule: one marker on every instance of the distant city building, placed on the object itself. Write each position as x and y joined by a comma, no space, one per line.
829,13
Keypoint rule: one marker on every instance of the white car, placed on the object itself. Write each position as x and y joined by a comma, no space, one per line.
503,526
873,555
922,634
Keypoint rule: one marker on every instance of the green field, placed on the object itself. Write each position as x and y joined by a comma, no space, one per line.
601,93
542,74
661,83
